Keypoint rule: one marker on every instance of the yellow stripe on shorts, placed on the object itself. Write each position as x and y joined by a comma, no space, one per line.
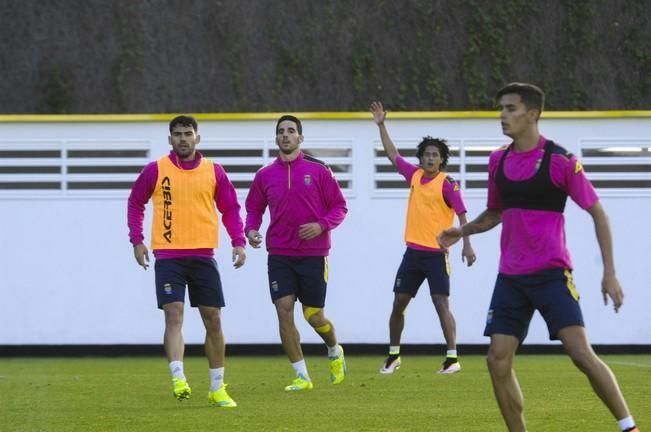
325,269
570,285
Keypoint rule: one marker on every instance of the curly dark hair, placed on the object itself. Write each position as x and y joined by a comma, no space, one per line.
440,143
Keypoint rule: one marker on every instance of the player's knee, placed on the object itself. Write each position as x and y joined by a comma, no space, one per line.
285,313
400,306
173,321
440,302
584,359
399,309
496,367
213,323
173,316
498,362
286,318
310,312
314,317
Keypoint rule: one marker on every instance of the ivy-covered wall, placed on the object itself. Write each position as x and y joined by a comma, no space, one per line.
149,56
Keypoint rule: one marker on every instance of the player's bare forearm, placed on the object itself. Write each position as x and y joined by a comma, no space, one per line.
463,220
486,221
604,237
610,287
467,252
387,143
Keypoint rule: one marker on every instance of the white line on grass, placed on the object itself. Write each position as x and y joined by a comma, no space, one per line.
623,363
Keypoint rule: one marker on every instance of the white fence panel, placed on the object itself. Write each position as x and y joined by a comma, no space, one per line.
67,273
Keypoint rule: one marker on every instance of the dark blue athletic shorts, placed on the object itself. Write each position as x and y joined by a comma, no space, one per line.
306,277
201,276
515,298
417,265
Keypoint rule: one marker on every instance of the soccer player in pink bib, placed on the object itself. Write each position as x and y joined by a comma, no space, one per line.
529,181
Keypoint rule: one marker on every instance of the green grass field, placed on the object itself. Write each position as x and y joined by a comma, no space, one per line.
134,394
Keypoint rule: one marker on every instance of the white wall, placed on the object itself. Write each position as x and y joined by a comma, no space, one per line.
67,273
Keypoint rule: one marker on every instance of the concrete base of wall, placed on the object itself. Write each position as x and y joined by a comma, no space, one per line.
276,349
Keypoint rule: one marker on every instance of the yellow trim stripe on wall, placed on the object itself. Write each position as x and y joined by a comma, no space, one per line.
100,118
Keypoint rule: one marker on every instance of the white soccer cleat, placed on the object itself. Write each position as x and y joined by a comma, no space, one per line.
450,366
390,365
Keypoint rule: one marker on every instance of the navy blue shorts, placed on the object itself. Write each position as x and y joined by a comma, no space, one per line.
417,265
201,276
306,277
515,298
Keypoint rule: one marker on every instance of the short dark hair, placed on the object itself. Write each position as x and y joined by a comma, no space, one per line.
441,144
299,126
532,96
183,120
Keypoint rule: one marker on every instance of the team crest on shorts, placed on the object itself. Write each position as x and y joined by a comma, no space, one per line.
167,288
307,179
489,316
274,286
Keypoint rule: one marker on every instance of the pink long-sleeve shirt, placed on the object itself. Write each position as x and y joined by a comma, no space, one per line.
225,200
298,192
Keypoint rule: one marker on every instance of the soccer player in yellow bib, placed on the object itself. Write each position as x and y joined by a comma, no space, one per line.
434,198
187,190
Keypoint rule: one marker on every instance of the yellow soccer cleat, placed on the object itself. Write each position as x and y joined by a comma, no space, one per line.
338,368
300,383
220,398
182,390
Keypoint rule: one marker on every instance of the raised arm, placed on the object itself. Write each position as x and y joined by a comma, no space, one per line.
609,284
379,115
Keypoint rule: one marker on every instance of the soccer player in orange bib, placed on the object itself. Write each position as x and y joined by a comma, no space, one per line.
186,188
434,198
